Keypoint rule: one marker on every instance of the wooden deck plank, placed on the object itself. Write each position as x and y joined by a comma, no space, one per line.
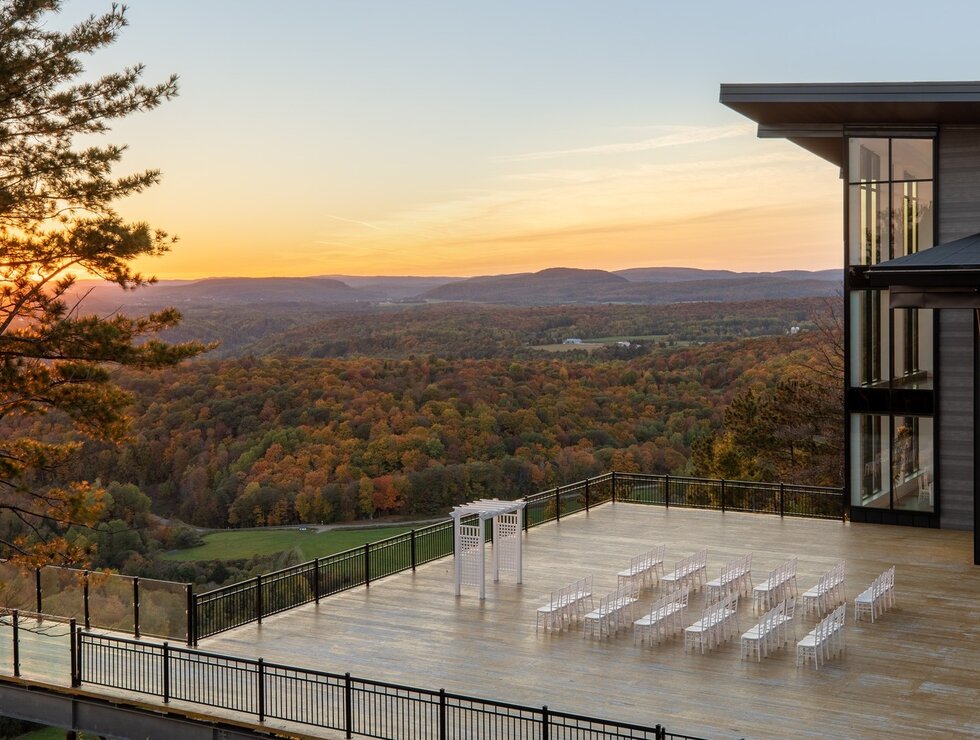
913,671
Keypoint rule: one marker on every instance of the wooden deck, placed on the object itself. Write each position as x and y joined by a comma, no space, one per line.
911,674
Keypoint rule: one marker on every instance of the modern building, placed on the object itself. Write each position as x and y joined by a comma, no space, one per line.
909,158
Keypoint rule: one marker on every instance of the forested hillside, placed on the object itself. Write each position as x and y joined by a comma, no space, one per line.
476,331
406,412
273,441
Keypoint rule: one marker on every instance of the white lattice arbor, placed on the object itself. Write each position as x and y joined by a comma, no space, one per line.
469,541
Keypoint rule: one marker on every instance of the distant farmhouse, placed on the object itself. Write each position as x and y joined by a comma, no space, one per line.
909,158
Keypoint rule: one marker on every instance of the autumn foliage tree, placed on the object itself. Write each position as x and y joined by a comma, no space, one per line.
57,221
791,430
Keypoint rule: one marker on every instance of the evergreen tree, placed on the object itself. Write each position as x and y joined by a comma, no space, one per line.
57,221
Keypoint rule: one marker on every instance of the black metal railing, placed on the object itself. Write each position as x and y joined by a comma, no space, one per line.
354,706
784,499
251,600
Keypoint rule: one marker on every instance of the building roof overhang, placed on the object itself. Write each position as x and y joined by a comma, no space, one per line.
816,116
944,276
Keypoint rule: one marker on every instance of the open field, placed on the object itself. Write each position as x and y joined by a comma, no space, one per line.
234,544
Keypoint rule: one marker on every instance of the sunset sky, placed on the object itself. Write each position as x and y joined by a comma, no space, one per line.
467,137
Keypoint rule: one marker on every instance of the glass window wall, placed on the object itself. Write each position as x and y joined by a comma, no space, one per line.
912,356
912,464
870,464
869,339
890,198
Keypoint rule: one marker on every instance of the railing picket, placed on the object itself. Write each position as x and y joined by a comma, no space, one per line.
166,673
88,619
260,675
72,648
348,707
16,633
136,607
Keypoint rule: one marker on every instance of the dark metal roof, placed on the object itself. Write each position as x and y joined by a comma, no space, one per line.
945,276
814,115
960,254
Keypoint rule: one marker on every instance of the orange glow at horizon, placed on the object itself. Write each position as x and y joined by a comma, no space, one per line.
774,210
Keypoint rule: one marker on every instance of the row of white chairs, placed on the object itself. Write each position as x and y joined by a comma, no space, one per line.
771,632
778,586
736,576
827,594
615,612
718,623
666,619
690,572
566,605
647,567
878,597
824,641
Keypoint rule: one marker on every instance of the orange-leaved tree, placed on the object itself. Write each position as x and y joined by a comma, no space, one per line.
57,221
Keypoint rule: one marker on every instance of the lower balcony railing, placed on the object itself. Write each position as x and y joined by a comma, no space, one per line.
341,702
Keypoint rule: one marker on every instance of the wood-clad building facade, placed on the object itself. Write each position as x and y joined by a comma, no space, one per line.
909,158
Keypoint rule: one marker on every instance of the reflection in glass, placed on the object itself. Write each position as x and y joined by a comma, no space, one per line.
869,231
867,159
912,355
869,344
912,474
911,159
911,217
870,464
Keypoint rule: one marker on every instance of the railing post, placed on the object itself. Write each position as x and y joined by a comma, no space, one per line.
136,607
37,589
78,657
557,503
316,580
367,563
72,650
586,495
348,707
526,517
660,732
166,673
545,722
189,588
722,495
782,491
88,620
16,631
442,714
258,598
614,487
667,491
261,674
414,558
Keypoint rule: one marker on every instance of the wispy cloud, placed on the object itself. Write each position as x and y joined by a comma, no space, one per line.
680,136
365,224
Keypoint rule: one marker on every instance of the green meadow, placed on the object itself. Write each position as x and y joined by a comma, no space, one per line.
237,543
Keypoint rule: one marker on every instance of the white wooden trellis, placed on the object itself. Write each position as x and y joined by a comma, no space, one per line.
469,541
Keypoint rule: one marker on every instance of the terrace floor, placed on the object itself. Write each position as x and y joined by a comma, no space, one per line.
911,674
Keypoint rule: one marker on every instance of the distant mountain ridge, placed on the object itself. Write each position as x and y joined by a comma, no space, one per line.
654,285
641,285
